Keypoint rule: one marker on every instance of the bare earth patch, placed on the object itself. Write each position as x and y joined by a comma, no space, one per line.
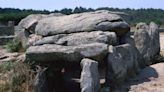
155,85
162,40
150,79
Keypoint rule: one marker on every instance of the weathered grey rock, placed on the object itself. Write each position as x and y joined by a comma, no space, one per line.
116,70
49,40
142,41
142,25
123,62
33,38
47,52
23,36
147,42
127,39
40,82
30,22
55,14
80,38
155,39
89,81
83,22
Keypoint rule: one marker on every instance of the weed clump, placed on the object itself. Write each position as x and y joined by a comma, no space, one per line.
13,46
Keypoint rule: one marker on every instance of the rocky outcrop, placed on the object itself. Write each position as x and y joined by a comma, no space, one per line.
80,38
89,81
47,52
147,41
83,22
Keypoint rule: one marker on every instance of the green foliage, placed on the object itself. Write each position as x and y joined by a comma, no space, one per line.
16,77
11,14
6,66
135,15
13,46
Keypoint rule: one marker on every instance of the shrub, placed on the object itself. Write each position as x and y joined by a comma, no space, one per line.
18,77
6,66
13,46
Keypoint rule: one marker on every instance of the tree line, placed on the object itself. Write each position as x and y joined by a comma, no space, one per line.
134,15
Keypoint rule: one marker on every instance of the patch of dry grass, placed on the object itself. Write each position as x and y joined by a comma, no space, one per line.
18,77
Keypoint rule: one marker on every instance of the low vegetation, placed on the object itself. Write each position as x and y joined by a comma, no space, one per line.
16,77
13,46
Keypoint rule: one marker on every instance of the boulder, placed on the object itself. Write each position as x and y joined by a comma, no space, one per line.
116,70
147,42
33,38
52,53
55,14
49,40
142,25
142,41
155,39
30,22
23,36
40,81
127,38
80,38
89,80
123,62
83,22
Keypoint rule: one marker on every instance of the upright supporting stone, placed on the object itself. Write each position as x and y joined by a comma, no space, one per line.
40,82
90,81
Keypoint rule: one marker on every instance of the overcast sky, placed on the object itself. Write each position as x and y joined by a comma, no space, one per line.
59,4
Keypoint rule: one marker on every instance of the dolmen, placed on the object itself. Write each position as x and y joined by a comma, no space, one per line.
89,39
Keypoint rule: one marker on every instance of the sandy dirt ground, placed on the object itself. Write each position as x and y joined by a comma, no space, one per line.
162,41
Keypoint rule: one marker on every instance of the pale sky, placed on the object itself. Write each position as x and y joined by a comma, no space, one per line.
60,4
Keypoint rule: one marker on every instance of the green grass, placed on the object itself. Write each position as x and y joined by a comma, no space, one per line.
6,66
13,46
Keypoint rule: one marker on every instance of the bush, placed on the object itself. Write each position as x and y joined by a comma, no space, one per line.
13,46
18,77
6,66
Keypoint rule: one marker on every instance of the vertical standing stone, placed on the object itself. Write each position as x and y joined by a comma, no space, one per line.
116,68
40,82
147,41
90,81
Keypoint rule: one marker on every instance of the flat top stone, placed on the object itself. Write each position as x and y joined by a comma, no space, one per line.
89,21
